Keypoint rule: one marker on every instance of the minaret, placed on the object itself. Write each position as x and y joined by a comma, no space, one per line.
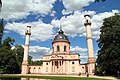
25,69
91,59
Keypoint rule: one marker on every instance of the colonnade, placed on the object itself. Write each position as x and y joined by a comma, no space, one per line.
57,67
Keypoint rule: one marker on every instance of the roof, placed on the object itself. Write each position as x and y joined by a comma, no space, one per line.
60,37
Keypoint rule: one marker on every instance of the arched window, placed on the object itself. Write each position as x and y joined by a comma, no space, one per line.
73,69
58,48
46,69
64,48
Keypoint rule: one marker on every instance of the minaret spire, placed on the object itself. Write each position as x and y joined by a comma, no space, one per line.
25,69
60,26
91,59
60,31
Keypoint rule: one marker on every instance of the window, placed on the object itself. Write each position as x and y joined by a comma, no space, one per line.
46,63
73,69
73,63
46,69
58,48
53,49
56,63
64,48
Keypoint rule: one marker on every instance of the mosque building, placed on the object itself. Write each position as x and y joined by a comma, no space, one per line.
61,61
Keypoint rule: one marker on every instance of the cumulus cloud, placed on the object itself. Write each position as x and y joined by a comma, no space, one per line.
37,52
40,31
97,21
73,25
79,50
71,5
17,9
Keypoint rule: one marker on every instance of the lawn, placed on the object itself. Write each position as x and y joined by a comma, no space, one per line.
49,77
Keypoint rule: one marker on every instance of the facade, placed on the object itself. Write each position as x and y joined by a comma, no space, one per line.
61,61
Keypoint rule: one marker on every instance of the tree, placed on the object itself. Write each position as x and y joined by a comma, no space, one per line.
37,62
19,52
1,31
8,42
108,61
8,62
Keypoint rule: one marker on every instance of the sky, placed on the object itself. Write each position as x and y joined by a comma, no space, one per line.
45,17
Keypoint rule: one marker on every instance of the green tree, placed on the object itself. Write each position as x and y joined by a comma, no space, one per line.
1,31
8,42
19,52
37,62
8,62
108,61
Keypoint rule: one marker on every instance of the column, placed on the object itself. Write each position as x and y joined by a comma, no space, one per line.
51,67
62,66
58,67
25,67
91,59
54,67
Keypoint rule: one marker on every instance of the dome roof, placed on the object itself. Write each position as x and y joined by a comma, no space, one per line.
61,37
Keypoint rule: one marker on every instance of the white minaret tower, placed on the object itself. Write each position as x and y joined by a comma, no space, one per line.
91,58
26,49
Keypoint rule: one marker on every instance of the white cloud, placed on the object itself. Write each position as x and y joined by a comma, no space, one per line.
17,9
37,52
78,49
97,21
39,31
73,25
81,51
71,5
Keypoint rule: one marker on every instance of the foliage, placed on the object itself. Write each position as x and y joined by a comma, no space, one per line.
19,51
8,62
108,61
10,59
1,31
8,42
37,62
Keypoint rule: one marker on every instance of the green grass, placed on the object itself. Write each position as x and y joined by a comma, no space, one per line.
50,77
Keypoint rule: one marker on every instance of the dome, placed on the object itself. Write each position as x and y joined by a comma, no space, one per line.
61,37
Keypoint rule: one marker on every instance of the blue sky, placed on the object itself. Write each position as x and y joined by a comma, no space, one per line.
45,16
